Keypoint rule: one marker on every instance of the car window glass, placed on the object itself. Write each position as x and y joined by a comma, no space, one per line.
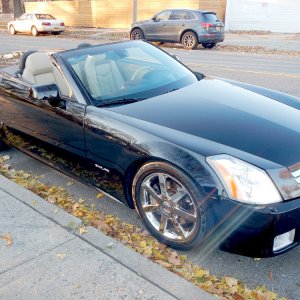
190,16
209,17
23,17
182,15
177,15
29,17
44,17
163,16
131,70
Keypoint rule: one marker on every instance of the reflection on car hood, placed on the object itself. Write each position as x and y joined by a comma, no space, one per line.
229,115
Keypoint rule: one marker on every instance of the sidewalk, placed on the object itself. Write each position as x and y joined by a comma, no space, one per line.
48,260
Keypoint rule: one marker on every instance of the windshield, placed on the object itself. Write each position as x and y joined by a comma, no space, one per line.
127,71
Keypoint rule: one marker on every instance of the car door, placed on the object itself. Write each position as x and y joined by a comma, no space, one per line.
19,23
156,29
179,20
29,22
59,125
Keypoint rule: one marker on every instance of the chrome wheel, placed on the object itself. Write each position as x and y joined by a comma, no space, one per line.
168,206
137,34
189,40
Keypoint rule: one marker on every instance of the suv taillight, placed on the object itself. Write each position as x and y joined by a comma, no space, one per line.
62,24
46,24
206,25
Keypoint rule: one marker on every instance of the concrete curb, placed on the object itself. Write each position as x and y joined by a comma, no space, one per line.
169,282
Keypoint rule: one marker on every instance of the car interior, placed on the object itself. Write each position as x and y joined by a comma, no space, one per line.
37,68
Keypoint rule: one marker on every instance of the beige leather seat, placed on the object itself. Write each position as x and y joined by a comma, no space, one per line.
103,76
40,70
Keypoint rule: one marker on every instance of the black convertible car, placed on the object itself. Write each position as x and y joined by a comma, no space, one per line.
202,160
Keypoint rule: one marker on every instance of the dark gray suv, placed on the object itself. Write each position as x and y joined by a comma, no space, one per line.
186,26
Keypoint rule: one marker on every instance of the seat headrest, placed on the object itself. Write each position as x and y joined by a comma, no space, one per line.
39,63
23,59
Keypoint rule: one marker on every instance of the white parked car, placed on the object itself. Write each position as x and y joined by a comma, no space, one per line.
36,23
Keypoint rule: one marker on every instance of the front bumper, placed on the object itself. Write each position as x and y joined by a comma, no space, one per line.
251,230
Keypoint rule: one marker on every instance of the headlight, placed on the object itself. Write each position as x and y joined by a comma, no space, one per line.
243,181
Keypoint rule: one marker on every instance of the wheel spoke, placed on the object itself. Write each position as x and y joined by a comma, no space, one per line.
163,224
163,184
185,215
151,191
178,196
150,207
179,230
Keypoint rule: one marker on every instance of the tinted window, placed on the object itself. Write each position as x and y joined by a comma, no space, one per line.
211,18
163,16
182,15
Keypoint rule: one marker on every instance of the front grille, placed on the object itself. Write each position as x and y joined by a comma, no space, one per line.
296,174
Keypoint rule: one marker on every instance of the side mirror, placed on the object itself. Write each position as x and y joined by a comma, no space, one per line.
154,19
49,92
44,91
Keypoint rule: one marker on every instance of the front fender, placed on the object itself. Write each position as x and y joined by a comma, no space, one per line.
272,94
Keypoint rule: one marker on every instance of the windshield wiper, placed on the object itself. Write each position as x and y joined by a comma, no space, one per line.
170,91
119,101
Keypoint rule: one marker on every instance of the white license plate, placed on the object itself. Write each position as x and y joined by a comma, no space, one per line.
55,28
218,28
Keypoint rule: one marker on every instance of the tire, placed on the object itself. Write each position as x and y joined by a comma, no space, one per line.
209,46
137,34
189,40
34,31
12,30
167,200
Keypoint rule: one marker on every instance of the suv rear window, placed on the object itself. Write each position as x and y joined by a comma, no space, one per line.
210,18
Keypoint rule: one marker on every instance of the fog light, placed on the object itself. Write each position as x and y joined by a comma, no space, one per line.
283,240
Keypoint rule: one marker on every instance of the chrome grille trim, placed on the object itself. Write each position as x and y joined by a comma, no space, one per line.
296,174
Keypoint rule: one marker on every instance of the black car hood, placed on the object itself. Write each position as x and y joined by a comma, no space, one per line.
227,114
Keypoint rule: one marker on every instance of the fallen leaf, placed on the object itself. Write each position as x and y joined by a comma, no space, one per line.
110,245
270,275
83,230
237,296
61,255
173,259
231,281
70,183
257,258
163,263
5,157
8,239
100,195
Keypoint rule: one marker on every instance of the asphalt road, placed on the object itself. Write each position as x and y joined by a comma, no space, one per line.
277,72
